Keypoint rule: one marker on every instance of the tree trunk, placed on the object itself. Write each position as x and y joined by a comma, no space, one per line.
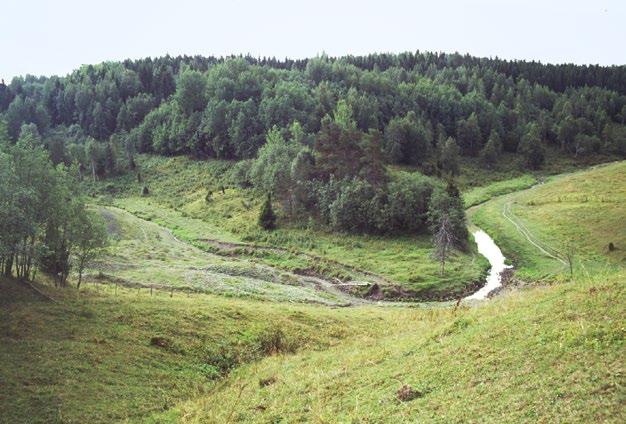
31,253
8,265
93,170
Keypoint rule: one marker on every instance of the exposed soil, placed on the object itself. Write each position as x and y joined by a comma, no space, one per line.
509,282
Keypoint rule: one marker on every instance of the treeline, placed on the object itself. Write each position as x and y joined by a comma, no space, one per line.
223,108
319,133
44,222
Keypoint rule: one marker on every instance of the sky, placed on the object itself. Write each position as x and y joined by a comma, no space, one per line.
56,37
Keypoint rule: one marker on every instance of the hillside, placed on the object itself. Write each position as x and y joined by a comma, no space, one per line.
275,212
419,108
114,354
549,354
120,351
95,361
581,212
227,225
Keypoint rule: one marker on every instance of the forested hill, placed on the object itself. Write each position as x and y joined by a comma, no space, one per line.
415,102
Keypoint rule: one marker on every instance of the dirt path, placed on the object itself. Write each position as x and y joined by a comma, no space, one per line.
546,249
523,230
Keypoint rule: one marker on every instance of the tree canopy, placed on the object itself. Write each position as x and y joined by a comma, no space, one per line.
223,107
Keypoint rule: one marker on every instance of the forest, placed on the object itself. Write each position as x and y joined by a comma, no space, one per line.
322,135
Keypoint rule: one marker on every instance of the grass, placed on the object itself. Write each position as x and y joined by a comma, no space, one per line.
548,353
145,254
90,358
178,187
177,201
478,195
552,354
584,210
474,173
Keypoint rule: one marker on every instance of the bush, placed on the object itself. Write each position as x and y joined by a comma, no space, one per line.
408,198
354,207
240,174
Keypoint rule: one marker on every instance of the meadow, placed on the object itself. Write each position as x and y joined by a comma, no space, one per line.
111,354
550,354
120,354
579,213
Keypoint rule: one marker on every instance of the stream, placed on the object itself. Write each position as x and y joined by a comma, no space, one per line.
488,248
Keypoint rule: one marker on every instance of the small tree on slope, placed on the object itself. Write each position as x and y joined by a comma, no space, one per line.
267,218
443,240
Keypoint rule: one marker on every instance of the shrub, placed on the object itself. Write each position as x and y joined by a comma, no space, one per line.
353,209
408,198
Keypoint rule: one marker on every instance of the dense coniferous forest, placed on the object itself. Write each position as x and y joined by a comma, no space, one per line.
318,133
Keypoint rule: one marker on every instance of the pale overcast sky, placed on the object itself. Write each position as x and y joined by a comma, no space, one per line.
55,37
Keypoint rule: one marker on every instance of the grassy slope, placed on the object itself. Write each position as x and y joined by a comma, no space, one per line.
478,195
475,174
178,188
145,254
547,355
584,209
90,359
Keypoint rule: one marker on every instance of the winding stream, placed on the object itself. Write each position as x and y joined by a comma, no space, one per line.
488,248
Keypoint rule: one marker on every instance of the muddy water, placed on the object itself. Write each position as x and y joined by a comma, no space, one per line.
488,248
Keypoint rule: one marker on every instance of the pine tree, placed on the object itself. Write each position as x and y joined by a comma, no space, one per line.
267,218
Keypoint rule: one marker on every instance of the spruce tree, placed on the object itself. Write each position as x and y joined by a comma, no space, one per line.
267,218
449,157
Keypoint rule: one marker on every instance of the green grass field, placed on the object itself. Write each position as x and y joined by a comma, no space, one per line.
547,355
90,358
481,194
144,254
582,211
